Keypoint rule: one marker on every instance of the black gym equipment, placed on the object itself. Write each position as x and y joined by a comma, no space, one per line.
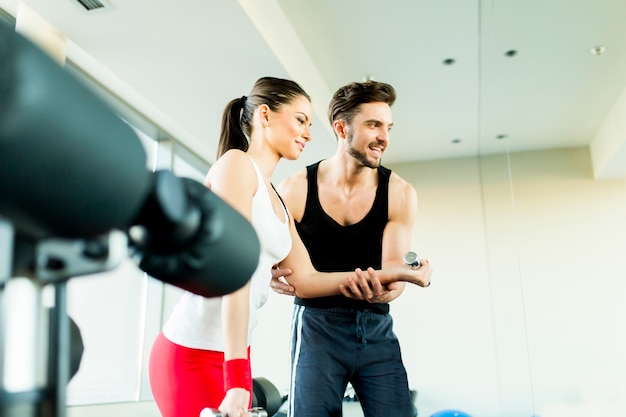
75,199
266,395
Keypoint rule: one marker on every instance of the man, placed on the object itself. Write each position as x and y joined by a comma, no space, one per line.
351,212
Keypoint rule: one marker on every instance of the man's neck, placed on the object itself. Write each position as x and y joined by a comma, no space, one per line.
346,171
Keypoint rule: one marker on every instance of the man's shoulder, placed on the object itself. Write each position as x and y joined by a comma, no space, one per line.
295,181
298,176
293,190
397,184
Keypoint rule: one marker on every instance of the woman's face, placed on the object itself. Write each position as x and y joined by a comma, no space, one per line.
290,128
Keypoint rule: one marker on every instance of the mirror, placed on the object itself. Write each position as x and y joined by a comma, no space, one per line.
554,217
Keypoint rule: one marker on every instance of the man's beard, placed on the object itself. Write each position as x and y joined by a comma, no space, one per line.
360,156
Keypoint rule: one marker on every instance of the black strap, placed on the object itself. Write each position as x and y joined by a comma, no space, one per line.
281,200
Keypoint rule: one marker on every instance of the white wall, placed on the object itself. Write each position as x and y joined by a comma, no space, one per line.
524,316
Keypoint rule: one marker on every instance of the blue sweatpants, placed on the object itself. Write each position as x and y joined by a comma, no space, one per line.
331,347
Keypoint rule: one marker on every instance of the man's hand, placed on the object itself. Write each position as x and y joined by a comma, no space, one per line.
421,276
279,282
365,285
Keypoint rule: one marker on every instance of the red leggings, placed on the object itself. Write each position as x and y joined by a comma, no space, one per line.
185,380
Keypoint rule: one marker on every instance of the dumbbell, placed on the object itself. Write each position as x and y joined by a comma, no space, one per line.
412,260
212,412
265,395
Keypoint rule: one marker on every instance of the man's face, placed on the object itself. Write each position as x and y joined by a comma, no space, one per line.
367,136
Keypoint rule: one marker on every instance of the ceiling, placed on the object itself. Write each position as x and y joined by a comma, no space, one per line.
523,76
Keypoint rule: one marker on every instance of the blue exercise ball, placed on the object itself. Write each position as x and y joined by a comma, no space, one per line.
450,413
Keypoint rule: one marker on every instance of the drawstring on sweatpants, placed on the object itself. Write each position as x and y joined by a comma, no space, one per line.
360,331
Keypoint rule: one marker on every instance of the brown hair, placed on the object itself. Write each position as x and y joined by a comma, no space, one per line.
346,101
237,116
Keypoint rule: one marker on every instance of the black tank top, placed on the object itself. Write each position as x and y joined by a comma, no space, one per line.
334,247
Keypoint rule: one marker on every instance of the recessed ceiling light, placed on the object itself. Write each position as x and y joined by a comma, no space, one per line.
511,53
598,50
457,140
502,136
448,61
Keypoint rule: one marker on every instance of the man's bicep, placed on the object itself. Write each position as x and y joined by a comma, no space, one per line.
397,239
398,234
293,192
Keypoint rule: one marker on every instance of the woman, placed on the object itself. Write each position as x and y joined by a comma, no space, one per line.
202,356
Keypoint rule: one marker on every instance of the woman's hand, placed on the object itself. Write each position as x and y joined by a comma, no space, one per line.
365,285
236,403
279,283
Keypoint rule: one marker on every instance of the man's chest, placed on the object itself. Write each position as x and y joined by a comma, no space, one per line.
346,208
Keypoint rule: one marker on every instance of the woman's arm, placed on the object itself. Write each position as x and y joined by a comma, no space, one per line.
235,309
310,283
235,316
233,179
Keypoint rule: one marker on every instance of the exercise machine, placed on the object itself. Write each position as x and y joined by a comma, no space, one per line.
76,198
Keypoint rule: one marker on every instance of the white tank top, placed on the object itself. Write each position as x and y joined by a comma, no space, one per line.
196,321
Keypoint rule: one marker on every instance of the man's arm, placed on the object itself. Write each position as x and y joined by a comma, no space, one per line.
397,238
307,282
398,233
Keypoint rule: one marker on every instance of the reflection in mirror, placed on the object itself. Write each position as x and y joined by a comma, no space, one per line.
555,229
